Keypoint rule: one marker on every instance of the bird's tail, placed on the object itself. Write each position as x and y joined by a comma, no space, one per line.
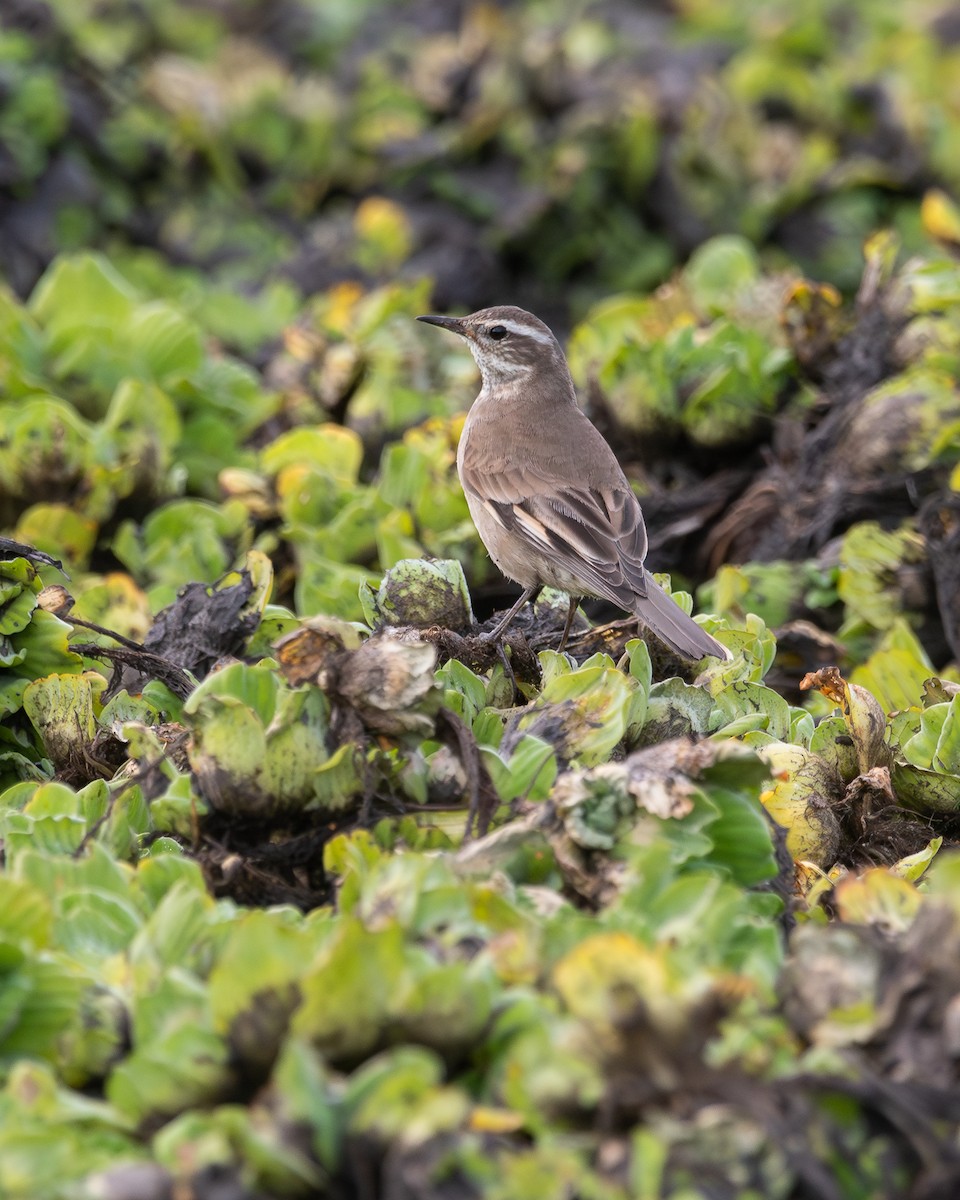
672,625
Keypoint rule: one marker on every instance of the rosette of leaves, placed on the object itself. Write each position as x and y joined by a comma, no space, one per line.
45,452
261,747
365,360
420,592
687,362
33,645
917,744
881,576
926,296
584,711
678,788
926,771
61,709
774,591
162,408
181,542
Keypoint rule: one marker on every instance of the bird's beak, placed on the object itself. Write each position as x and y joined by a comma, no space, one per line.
454,324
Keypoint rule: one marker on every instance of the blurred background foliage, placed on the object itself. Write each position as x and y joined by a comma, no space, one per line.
217,218
222,149
217,221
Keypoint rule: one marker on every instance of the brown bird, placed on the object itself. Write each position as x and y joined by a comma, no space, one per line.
546,493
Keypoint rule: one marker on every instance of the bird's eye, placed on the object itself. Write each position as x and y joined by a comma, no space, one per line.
498,333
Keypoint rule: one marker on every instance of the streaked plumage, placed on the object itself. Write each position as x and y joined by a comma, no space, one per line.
549,499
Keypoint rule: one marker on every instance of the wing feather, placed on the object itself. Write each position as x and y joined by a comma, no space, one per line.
591,534
596,535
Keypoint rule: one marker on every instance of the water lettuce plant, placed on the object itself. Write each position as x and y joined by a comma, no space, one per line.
306,888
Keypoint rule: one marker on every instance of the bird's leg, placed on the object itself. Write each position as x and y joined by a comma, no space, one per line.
571,612
502,624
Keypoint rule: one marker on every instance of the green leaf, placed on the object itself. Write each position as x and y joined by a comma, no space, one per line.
897,670
420,592
718,270
238,686
925,790
331,450
164,340
77,291
308,1093
913,866
346,992
341,780
805,791
58,530
60,707
870,558
584,712
831,740
743,698
49,990
94,925
177,1060
254,986
25,915
937,744
464,692
529,771
741,837
675,709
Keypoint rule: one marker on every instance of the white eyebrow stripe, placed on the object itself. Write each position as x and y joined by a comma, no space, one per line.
524,331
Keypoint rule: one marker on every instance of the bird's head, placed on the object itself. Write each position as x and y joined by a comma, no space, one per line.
508,343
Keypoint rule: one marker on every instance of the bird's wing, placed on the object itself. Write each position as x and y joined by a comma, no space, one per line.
596,534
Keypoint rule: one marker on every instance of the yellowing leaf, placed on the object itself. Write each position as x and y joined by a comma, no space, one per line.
940,216
877,897
484,1119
